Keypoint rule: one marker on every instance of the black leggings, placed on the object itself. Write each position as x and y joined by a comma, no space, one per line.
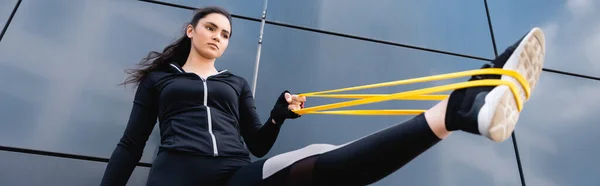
360,162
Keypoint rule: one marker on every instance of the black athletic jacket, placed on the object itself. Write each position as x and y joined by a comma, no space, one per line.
200,116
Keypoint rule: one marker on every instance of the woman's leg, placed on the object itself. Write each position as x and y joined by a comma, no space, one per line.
360,162
489,111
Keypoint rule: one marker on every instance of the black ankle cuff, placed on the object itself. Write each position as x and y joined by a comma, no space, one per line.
454,102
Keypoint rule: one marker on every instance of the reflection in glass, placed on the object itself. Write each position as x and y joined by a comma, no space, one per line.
6,8
302,61
442,25
572,30
557,134
248,8
29,169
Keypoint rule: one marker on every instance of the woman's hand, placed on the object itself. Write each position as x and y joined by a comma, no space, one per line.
284,106
295,102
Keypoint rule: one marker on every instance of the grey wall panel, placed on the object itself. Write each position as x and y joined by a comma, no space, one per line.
558,132
61,61
302,61
443,25
572,30
18,169
248,8
6,8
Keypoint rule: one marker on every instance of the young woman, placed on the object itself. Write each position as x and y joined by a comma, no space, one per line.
207,118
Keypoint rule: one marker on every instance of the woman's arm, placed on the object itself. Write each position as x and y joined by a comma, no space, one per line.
131,146
261,137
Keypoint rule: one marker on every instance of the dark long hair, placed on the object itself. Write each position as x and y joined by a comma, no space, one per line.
175,52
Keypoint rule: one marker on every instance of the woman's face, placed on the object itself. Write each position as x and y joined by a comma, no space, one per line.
211,35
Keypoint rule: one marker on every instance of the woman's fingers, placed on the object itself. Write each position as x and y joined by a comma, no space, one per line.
295,102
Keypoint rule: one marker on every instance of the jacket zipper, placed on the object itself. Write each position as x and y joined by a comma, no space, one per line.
210,131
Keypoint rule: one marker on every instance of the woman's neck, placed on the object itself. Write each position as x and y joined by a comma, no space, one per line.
202,66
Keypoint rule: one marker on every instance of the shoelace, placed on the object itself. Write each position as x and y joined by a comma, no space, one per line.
419,94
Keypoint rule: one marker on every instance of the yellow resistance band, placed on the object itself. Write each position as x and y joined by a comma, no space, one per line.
419,94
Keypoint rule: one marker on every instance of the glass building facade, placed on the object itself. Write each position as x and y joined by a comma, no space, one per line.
63,112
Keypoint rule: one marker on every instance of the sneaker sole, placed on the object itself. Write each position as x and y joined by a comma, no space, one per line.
499,114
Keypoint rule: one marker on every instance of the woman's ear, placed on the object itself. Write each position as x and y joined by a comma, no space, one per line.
189,31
